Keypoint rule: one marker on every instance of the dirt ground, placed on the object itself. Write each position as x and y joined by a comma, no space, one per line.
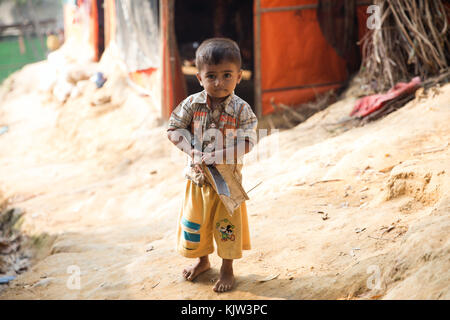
341,213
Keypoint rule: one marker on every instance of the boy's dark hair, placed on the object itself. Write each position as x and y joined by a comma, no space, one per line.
217,50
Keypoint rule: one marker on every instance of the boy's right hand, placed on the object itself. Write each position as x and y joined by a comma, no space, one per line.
198,168
196,156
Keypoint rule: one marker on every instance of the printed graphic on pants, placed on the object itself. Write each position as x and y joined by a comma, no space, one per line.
225,228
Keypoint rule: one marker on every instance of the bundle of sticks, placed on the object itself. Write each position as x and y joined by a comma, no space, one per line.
295,114
413,40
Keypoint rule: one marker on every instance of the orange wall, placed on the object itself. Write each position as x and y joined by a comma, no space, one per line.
295,55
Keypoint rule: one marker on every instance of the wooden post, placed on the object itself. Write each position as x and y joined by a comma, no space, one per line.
257,57
163,14
110,21
173,86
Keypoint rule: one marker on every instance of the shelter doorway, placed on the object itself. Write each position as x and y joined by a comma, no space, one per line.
198,20
101,28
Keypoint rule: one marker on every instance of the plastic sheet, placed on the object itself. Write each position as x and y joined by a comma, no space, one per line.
137,33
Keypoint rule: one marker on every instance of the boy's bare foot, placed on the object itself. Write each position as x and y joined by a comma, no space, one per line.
226,278
202,265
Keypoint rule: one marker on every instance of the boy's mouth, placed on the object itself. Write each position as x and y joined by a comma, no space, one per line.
221,90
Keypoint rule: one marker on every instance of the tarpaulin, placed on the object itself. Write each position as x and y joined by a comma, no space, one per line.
78,27
137,33
297,63
369,104
339,25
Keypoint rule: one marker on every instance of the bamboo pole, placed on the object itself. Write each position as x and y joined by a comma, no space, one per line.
257,61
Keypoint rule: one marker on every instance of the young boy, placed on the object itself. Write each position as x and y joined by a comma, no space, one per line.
231,121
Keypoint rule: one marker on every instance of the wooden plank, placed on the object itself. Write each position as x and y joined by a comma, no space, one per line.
302,7
288,8
173,87
172,48
257,61
165,88
306,86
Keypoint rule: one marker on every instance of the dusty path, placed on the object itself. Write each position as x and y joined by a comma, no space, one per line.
362,213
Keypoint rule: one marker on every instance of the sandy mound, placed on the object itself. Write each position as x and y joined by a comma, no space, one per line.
341,213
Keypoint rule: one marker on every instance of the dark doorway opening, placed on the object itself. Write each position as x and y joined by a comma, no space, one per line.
101,28
198,20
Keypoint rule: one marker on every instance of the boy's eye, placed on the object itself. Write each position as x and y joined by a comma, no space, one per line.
227,75
211,76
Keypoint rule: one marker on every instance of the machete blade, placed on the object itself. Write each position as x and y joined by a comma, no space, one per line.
221,185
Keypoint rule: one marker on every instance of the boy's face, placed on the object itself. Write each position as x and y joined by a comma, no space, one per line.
219,80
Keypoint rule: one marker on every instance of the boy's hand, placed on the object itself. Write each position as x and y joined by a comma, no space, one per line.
198,168
196,156
209,158
196,160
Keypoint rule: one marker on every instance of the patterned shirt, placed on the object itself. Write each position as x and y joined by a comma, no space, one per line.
237,123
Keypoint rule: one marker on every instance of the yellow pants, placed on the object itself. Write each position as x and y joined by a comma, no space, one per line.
204,217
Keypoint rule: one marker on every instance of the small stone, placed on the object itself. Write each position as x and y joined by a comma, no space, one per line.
6,279
43,283
359,230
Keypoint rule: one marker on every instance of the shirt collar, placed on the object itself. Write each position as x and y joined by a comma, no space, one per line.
202,99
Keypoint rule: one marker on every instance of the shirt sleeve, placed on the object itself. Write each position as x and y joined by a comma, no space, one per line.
181,116
247,125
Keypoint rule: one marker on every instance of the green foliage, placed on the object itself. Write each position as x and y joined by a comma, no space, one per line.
17,2
22,2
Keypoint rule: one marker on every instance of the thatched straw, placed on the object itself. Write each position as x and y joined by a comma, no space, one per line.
413,41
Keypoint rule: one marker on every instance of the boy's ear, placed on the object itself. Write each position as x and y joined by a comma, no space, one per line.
239,76
199,78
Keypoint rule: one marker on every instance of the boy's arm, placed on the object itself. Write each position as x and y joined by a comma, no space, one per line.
179,122
239,149
245,140
179,139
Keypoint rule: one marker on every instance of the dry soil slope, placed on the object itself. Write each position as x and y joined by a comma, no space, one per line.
341,212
